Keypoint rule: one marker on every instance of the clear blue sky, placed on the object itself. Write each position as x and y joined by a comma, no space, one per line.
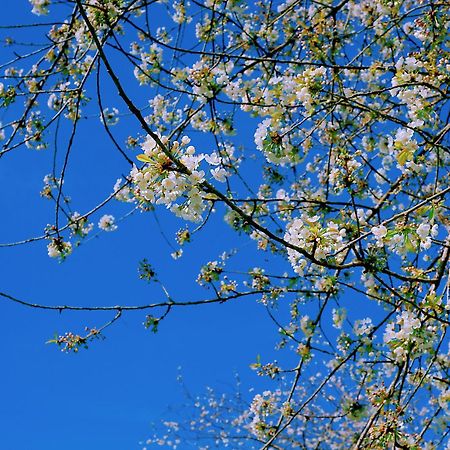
105,398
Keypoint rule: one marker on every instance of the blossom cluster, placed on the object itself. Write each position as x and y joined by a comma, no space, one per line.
308,234
176,182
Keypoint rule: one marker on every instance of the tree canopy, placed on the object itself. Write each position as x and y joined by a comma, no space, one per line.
318,132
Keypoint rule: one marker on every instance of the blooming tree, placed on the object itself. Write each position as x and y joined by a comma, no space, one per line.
317,129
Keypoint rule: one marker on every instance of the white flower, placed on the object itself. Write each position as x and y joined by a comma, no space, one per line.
261,133
123,193
197,177
168,184
379,232
362,327
213,159
426,243
40,7
434,230
57,248
149,146
423,230
281,195
305,97
107,223
220,174
403,136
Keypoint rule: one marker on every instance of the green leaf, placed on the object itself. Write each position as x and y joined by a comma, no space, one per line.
404,156
143,158
431,213
409,245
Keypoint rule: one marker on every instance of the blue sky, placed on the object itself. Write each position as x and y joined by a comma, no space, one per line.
105,398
